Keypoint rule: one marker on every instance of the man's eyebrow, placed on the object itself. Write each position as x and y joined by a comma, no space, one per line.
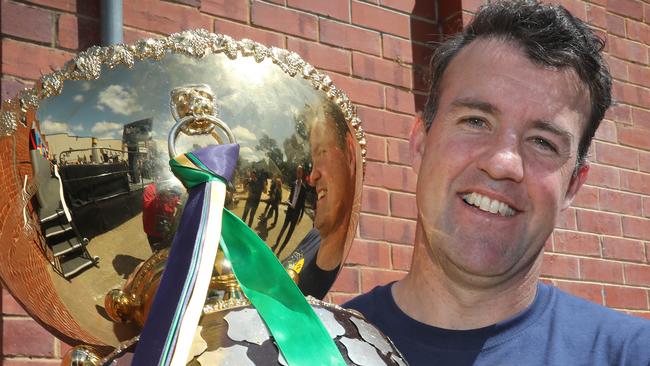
549,127
475,104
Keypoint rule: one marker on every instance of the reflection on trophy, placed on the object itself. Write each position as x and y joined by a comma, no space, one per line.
174,242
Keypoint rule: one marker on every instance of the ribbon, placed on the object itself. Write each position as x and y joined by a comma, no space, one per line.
177,306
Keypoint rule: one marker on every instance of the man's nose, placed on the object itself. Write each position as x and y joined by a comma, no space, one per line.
314,176
503,161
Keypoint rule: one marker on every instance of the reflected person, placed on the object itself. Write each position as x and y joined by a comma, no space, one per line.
295,208
333,177
255,187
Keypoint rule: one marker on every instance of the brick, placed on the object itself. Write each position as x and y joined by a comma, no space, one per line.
30,61
391,177
370,278
376,148
640,314
628,50
31,362
347,36
601,270
322,56
231,9
132,35
631,94
590,291
240,31
10,306
637,274
194,3
597,16
25,337
644,161
627,8
603,176
379,19
422,54
620,113
77,33
399,151
639,74
576,7
587,197
403,205
375,68
598,222
636,227
634,137
360,91
385,123
425,9
402,256
607,131
615,25
13,22
374,200
618,68
11,86
620,202
424,31
625,298
617,156
646,206
340,299
635,182
641,118
163,17
339,9
646,13
572,242
567,219
284,20
369,253
623,249
387,229
560,266
637,31
347,281
398,49
400,100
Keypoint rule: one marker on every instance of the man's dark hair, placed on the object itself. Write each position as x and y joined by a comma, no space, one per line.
550,36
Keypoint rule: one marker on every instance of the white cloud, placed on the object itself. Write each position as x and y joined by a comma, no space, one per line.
242,134
77,128
85,86
248,153
50,127
107,130
78,98
120,100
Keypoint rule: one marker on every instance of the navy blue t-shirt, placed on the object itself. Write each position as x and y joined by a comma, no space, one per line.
557,329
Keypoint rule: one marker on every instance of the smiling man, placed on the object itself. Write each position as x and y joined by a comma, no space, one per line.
500,152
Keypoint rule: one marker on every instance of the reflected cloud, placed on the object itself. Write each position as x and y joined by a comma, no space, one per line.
119,99
50,127
242,134
78,98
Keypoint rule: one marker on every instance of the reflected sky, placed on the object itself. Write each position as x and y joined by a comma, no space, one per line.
252,98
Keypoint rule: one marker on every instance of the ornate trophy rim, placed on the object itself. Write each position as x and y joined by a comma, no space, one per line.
16,112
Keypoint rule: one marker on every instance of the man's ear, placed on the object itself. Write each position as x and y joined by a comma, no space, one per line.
577,180
417,139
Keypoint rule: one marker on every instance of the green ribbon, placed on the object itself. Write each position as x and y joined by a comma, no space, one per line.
296,328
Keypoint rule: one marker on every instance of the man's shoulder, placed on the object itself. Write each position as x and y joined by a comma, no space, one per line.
373,302
579,309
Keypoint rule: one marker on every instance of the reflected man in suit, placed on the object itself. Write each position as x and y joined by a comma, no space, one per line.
295,208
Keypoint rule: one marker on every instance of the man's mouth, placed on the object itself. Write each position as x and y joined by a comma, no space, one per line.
322,193
487,204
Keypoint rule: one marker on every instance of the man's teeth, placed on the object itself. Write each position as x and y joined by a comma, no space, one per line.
486,204
321,194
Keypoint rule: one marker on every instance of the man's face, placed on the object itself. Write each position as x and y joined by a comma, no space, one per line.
495,168
332,176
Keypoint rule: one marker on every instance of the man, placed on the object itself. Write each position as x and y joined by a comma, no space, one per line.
332,176
255,187
514,103
295,208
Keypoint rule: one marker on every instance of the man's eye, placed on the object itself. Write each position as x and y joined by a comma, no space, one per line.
475,122
544,144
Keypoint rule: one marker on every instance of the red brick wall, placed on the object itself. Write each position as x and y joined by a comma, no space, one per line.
375,51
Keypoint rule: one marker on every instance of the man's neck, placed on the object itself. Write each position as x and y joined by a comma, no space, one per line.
429,296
